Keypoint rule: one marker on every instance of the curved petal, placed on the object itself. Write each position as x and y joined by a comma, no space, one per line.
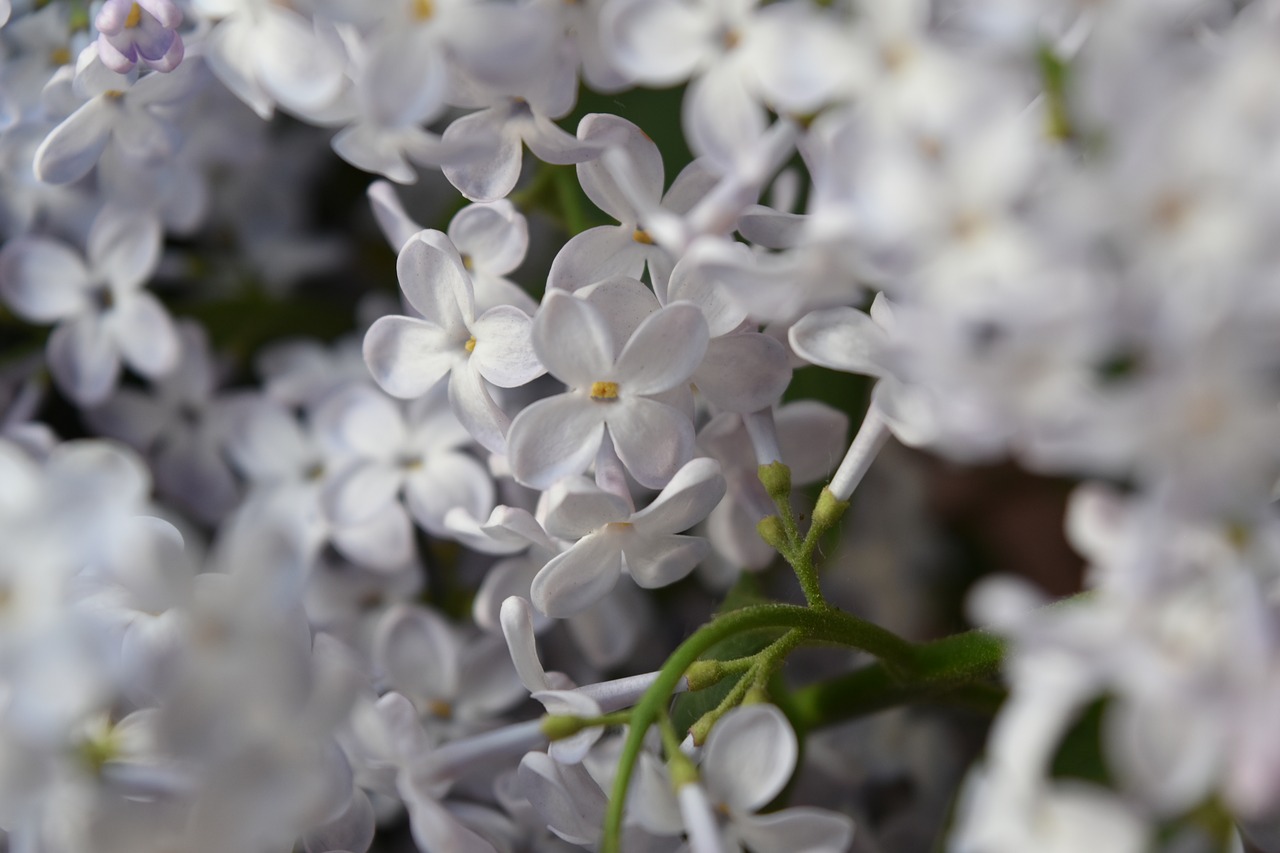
435,282
624,303
293,63
657,42
375,149
517,618
809,829
812,437
744,373
476,409
384,542
494,236
688,499
652,439
693,280
576,506
503,352
595,255
749,756
390,215
351,831
362,420
83,360
419,653
360,491
145,334
403,80
42,280
722,120
657,561
550,144
559,437
444,482
841,338
72,148
610,131
572,339
563,795
579,577
664,351
407,356
491,685
491,177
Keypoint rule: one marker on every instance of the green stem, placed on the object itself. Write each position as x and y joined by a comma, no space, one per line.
941,667
569,194
827,626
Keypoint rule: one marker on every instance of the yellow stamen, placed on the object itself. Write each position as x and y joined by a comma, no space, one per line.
470,345
423,9
604,390
113,94
467,263
60,56
135,17
642,236
440,708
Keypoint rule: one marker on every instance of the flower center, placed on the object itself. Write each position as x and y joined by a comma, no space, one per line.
423,9
604,390
134,18
642,236
470,345
440,709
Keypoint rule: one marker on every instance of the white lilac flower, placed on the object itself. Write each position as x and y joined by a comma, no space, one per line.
624,249
459,682
119,115
265,54
748,758
560,436
288,464
102,313
182,426
408,355
391,450
146,32
610,538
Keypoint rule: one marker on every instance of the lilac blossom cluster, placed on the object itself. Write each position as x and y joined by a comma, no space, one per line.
1041,227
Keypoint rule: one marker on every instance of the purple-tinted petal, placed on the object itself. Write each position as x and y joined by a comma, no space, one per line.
435,283
360,491
476,409
494,176
743,373
495,236
384,542
657,561
810,829
595,255
444,482
576,507
145,334
610,131
72,148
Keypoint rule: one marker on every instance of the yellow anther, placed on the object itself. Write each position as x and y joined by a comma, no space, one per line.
642,236
467,263
423,9
59,56
441,709
618,526
604,390
470,345
135,17
113,94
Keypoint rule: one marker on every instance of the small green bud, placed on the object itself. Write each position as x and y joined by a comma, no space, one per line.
702,727
773,532
704,673
777,481
828,511
757,695
561,726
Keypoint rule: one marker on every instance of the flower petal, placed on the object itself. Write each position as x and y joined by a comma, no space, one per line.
476,409
610,131
360,491
72,148
559,437
579,577
503,352
145,334
576,506
657,561
664,351
83,360
435,282
597,254
573,340
652,439
840,338
384,542
749,756
447,481
491,177
809,829
495,236
688,499
407,356
746,372
42,280
419,653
